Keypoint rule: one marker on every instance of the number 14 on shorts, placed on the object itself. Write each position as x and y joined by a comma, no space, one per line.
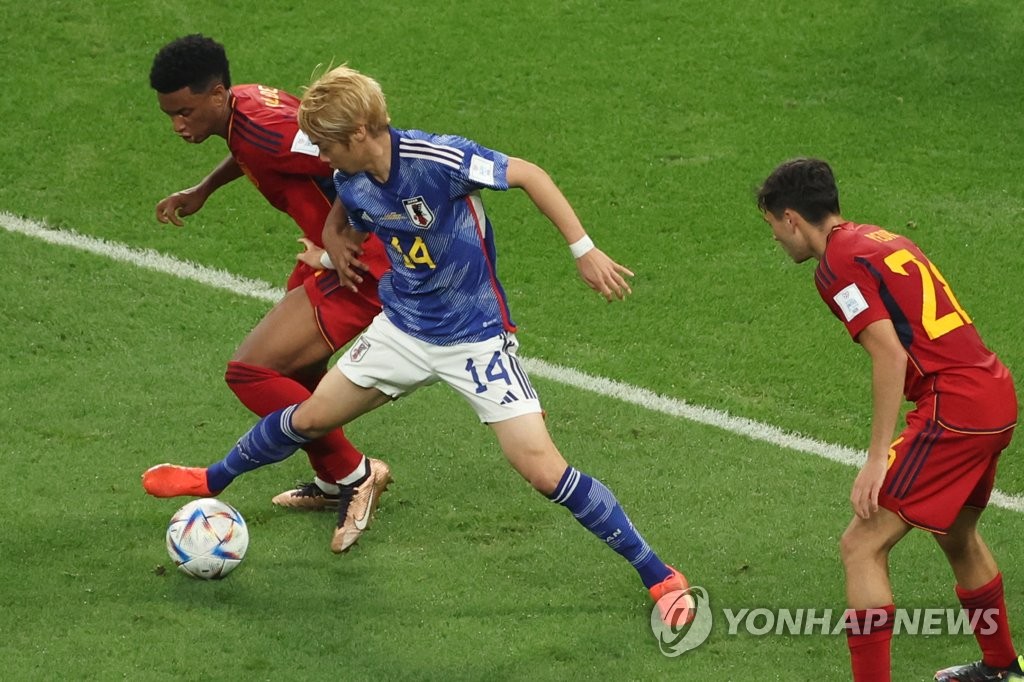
495,371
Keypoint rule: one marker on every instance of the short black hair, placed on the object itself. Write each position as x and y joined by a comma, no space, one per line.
805,185
194,61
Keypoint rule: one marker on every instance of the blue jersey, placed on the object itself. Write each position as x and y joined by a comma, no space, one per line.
442,287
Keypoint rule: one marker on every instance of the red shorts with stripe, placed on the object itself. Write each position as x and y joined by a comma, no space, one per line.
935,472
340,313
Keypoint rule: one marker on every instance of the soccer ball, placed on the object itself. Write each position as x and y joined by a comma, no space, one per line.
207,538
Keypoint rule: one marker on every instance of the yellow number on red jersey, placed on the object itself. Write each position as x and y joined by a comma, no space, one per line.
933,325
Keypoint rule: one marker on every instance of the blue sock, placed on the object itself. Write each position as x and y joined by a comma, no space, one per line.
596,508
271,440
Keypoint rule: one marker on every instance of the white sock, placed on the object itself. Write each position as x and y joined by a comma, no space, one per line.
329,488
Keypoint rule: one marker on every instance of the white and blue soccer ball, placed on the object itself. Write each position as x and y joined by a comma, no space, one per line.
207,538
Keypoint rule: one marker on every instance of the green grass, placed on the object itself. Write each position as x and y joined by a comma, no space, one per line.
657,119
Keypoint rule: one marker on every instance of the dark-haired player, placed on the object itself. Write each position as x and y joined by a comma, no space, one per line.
938,473
446,318
283,358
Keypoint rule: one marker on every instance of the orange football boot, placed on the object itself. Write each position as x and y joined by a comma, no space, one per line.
676,605
171,480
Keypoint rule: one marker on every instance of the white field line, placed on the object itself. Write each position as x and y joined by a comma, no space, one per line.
143,258
152,260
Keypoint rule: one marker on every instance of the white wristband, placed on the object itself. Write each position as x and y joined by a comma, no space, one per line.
581,247
325,260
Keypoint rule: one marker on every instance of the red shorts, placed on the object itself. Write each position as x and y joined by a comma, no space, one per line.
935,472
340,313
298,276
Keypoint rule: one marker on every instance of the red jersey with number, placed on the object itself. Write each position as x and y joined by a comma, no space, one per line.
868,274
265,140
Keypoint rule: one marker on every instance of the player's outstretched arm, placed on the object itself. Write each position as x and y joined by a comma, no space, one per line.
344,245
600,272
186,202
888,374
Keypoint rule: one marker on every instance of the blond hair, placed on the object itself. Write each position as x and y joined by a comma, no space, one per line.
340,101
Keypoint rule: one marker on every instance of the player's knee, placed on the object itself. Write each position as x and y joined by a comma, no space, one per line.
858,544
959,545
847,545
543,471
260,350
246,354
855,545
545,482
310,422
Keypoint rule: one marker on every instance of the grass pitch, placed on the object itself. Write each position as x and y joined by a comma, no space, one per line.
657,120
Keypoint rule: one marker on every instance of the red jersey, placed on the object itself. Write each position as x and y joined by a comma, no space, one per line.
868,274
265,140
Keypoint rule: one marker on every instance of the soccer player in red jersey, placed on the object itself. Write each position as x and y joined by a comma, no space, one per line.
285,355
938,473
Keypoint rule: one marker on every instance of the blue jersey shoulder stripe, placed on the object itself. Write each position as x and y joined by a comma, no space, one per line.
410,142
446,155
429,157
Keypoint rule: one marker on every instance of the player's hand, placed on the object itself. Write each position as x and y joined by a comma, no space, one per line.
604,275
345,255
311,254
864,496
180,204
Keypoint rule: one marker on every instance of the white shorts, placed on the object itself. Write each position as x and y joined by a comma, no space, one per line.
486,373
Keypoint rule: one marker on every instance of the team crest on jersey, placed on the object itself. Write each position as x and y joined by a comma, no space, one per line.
419,213
359,349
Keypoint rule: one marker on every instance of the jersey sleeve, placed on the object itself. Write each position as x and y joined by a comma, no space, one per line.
296,155
851,291
479,168
358,223
356,217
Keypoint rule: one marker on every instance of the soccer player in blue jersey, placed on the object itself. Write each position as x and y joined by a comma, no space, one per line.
446,318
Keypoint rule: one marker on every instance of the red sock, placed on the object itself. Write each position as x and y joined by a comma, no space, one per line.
869,634
263,390
986,608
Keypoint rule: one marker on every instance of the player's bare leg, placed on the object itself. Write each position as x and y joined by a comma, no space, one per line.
287,339
979,586
968,555
529,449
334,403
277,365
864,549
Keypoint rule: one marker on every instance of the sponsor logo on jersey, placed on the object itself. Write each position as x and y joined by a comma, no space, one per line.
418,211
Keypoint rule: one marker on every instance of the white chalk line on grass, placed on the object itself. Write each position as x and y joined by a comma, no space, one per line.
220,279
143,258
